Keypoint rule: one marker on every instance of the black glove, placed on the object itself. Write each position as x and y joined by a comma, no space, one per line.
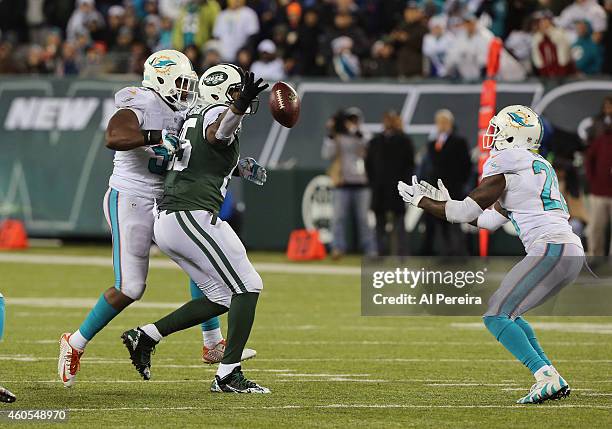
250,91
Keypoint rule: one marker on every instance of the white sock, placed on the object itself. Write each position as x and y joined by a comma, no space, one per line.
212,337
225,369
151,331
78,341
539,374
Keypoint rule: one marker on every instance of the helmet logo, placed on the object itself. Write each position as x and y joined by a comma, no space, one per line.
162,64
518,120
215,78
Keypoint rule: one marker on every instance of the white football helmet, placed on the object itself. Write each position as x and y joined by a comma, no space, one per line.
170,74
219,82
514,127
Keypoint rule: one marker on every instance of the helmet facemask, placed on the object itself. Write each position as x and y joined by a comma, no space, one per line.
186,93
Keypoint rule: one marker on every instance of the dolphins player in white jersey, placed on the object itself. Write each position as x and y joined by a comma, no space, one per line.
521,187
143,151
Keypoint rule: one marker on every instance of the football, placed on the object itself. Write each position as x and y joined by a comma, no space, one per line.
284,104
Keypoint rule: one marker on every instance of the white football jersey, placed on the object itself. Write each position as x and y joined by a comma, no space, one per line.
532,198
140,171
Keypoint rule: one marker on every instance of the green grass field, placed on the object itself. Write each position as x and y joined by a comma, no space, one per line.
326,365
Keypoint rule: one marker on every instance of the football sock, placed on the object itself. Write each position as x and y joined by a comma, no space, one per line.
239,322
212,337
78,341
513,338
529,332
190,314
225,369
98,318
212,323
151,331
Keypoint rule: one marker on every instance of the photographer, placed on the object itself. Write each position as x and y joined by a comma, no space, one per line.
345,146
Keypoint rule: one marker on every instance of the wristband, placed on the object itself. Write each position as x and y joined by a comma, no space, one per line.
152,137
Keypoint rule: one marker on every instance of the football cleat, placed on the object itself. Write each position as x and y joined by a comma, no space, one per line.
215,355
236,382
140,346
69,361
551,387
6,396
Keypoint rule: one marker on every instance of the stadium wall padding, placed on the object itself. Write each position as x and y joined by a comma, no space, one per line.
54,166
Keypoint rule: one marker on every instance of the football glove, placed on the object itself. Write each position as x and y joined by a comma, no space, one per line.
250,170
250,91
413,193
170,142
437,194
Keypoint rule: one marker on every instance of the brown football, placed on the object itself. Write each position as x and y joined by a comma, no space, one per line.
284,104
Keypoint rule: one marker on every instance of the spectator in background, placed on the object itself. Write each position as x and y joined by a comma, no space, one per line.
7,64
382,62
244,59
165,34
69,65
606,40
345,62
268,66
587,55
306,51
344,26
345,147
602,123
84,20
171,8
435,46
518,43
233,27
52,49
152,27
114,23
448,159
212,56
408,40
467,53
550,48
195,22
35,63
583,10
193,53
390,158
598,164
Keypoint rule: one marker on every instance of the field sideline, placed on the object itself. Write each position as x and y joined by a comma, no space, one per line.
326,365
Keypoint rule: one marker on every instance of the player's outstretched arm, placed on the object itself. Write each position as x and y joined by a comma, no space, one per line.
468,210
492,219
123,132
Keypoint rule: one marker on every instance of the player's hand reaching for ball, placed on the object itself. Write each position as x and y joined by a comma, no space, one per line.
412,193
250,170
251,89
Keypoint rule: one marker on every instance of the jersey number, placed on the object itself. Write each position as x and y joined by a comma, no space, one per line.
551,183
159,163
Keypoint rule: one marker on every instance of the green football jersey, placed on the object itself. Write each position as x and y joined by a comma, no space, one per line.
200,172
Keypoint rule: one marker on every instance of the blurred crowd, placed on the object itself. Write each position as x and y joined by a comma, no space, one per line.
342,38
365,170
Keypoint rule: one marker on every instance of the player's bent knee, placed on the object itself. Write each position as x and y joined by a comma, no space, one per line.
254,283
497,324
134,292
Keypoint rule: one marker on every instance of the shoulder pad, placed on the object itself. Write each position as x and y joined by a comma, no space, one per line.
134,97
506,161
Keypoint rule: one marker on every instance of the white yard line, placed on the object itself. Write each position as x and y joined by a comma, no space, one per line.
102,261
346,406
589,328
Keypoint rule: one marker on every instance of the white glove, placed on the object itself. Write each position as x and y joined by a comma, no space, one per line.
411,194
437,194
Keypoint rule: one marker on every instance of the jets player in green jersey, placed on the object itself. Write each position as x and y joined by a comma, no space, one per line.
188,229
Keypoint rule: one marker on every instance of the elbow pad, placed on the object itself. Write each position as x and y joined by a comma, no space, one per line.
229,124
462,211
491,220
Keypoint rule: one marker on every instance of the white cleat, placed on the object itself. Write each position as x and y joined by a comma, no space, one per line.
215,355
551,387
69,361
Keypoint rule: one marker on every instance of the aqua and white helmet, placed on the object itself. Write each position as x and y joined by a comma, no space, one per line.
219,82
170,74
514,127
